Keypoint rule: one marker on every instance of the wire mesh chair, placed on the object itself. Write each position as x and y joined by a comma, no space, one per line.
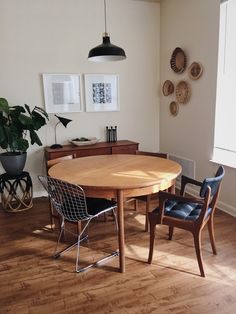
70,202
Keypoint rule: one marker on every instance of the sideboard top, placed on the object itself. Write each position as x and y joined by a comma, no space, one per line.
84,147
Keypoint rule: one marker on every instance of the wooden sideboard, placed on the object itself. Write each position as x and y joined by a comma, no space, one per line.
100,148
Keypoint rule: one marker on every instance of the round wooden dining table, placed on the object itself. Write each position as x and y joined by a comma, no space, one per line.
119,177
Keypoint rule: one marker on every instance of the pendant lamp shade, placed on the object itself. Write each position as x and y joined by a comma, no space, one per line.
106,51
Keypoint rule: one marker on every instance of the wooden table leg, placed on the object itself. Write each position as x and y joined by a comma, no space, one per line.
172,189
121,234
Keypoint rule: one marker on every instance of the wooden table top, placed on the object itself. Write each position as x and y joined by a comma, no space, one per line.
116,171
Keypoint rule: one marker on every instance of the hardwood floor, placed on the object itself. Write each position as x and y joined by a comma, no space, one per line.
31,281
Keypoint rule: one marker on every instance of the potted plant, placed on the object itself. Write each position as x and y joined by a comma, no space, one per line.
18,125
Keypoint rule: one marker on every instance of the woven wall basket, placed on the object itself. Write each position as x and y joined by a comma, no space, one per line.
174,108
168,88
178,61
182,92
195,71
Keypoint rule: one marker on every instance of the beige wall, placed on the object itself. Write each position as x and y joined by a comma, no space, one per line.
55,36
193,26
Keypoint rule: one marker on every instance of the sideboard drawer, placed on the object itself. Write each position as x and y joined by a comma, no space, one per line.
58,154
94,152
129,149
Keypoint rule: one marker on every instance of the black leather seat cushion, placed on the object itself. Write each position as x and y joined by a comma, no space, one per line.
180,210
97,205
73,208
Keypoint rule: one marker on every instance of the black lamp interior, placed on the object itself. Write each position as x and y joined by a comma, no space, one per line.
63,121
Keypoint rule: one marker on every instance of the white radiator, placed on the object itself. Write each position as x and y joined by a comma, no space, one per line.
188,166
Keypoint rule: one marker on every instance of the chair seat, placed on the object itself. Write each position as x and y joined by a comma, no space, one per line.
184,211
97,205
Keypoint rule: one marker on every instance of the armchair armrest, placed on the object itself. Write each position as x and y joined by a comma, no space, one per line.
164,196
186,180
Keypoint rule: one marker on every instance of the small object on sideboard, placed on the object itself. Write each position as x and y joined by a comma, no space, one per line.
84,141
111,134
115,134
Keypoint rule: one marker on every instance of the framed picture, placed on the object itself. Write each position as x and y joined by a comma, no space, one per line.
62,92
101,92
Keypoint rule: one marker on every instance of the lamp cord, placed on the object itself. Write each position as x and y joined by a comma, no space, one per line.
105,15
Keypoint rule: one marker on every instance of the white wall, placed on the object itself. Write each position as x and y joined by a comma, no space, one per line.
193,26
55,36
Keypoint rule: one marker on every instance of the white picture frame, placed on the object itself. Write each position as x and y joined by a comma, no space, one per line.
62,93
101,92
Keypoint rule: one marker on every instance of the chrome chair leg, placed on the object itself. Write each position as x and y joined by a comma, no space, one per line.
113,254
78,246
59,238
58,254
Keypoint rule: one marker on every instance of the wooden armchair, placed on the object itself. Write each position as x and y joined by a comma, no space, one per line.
189,213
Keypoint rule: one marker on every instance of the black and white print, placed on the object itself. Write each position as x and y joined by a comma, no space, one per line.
102,93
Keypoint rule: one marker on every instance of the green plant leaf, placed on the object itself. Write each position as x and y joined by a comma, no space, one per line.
16,121
41,111
28,109
4,106
17,110
2,134
26,121
38,120
20,144
34,138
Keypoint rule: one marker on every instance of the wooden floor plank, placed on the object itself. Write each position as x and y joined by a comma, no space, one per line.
31,281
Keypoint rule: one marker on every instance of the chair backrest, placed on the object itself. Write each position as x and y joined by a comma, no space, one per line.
68,199
161,155
55,161
213,183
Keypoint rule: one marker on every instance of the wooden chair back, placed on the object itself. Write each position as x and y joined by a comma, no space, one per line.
55,161
161,155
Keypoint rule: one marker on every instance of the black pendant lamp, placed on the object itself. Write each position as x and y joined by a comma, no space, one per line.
106,51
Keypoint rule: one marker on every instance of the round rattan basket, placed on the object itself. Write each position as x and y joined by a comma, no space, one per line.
168,88
182,92
174,108
195,71
178,61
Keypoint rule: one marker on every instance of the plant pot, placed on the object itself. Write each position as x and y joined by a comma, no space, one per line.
13,163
